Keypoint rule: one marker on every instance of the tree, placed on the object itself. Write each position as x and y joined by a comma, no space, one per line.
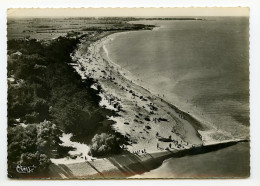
105,144
32,145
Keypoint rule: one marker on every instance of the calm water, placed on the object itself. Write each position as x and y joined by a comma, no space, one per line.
212,164
200,66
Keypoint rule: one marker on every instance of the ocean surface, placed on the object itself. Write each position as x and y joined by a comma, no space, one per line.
202,67
208,165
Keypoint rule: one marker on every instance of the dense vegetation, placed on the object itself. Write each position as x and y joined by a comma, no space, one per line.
31,146
45,89
119,27
105,144
47,97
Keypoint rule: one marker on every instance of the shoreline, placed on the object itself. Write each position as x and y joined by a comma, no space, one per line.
111,80
125,100
133,103
94,94
119,89
206,130
130,166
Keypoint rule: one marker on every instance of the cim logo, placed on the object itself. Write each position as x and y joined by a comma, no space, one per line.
25,169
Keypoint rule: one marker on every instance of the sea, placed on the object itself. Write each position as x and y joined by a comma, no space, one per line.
229,162
200,66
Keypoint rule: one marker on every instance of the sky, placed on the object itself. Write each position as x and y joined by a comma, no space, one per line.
95,12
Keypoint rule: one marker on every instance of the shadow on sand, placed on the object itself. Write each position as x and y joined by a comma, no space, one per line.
126,165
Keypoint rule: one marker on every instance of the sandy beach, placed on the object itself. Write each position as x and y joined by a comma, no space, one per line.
104,97
150,123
